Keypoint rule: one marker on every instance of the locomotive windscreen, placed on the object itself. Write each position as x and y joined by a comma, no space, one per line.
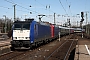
21,26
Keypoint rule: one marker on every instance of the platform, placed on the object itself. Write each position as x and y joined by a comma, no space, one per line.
82,50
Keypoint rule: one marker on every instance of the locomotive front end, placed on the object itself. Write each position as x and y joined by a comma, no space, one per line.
21,34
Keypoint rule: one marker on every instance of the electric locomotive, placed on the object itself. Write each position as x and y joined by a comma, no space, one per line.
29,32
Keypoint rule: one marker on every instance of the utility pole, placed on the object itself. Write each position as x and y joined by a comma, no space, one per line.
14,12
77,23
5,23
54,18
86,21
69,25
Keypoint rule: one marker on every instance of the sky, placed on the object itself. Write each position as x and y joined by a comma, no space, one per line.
63,9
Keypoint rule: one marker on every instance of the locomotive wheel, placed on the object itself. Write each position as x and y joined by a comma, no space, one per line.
36,44
12,48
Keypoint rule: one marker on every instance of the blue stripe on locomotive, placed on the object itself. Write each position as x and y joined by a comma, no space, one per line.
32,31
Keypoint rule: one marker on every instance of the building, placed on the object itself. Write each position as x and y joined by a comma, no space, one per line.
87,29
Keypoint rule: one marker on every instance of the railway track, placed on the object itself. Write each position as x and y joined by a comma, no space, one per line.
3,36
63,51
10,55
52,51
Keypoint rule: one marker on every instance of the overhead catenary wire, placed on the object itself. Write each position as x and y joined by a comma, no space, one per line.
5,7
20,6
31,10
69,7
55,12
63,6
47,6
12,8
23,7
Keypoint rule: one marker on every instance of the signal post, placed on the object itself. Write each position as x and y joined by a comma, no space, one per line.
81,22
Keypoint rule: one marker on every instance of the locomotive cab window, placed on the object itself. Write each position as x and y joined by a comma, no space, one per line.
17,26
26,26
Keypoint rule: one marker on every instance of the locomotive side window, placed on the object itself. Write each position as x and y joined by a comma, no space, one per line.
35,27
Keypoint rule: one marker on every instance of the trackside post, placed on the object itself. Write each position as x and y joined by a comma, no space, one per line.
59,36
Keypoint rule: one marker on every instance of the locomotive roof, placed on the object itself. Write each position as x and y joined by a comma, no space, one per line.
26,21
65,27
44,23
23,21
78,29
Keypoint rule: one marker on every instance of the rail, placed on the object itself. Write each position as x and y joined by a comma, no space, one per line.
55,51
68,50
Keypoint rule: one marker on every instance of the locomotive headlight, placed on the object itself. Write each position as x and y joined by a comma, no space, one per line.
14,38
28,38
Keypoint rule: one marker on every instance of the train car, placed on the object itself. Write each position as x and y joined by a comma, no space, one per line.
28,33
79,30
70,30
63,31
66,30
56,31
